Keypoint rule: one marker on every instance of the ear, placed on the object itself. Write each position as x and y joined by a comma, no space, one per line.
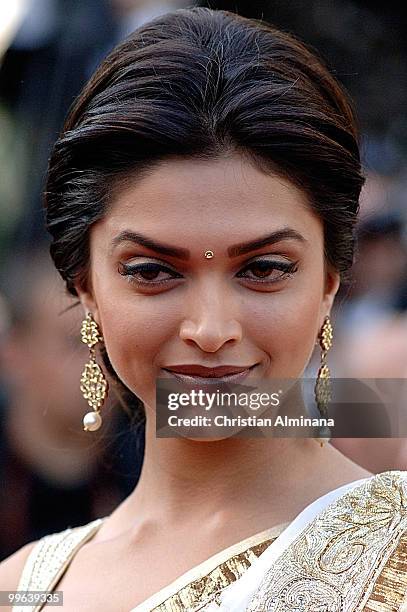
332,284
87,298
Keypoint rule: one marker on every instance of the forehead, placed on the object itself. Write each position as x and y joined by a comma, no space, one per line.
189,198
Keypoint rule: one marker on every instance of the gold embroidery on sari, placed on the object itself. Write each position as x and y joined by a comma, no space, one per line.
198,593
334,564
391,586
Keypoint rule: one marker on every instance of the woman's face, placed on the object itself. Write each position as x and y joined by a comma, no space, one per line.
259,306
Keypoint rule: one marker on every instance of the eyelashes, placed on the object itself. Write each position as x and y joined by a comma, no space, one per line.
147,274
264,266
148,269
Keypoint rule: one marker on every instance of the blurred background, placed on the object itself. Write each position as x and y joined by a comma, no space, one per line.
52,475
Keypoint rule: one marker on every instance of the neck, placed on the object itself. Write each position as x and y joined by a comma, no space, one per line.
185,481
214,473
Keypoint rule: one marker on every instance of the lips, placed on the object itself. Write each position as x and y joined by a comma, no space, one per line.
192,373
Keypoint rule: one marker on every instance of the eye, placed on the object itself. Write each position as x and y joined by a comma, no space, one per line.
147,273
268,270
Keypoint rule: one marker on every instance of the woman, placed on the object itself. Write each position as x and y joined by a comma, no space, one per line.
202,200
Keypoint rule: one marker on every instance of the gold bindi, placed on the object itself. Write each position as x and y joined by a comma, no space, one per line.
208,254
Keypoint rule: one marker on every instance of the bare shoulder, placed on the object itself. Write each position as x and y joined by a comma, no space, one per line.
12,567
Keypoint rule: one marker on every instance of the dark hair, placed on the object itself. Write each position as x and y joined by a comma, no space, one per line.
203,83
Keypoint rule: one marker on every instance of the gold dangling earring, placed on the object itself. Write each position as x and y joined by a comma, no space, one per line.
322,387
94,385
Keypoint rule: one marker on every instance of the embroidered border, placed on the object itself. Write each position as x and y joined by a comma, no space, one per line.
336,561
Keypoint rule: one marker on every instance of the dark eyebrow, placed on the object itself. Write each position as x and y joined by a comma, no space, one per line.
235,250
164,249
286,233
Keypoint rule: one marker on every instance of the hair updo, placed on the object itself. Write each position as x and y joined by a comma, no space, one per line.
199,83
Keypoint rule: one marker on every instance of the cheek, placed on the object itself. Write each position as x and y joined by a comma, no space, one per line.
285,326
134,334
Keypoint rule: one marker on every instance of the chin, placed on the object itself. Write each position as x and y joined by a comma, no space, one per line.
203,440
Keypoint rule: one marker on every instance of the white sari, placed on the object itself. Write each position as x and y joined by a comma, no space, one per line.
345,552
237,596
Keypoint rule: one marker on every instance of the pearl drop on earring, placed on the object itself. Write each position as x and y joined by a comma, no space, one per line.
92,421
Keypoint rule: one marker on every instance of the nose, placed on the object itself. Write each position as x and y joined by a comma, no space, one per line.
213,324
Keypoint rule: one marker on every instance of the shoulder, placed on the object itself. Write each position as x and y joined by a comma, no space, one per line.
35,565
388,525
393,481
12,567
363,538
375,502
353,552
